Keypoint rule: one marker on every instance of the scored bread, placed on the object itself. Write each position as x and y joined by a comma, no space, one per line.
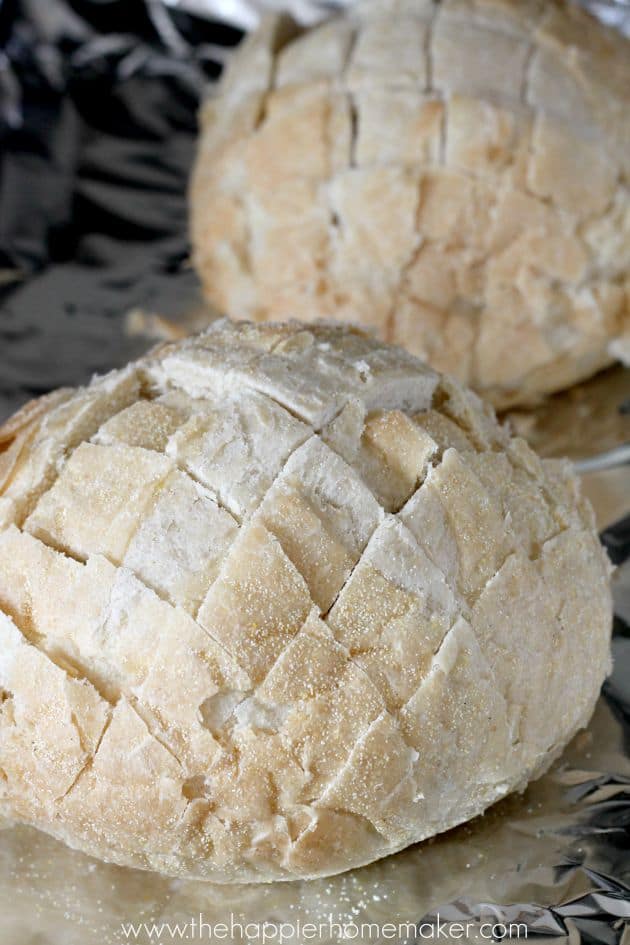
278,601
452,175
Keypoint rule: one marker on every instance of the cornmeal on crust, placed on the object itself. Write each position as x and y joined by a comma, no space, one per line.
277,601
453,175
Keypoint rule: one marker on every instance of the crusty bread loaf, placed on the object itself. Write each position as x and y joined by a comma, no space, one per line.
275,602
453,175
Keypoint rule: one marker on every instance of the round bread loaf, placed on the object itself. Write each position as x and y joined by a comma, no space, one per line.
452,175
276,601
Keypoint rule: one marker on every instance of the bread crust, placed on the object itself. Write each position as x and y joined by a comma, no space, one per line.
452,175
278,601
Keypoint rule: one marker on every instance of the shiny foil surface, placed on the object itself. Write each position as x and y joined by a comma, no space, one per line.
97,129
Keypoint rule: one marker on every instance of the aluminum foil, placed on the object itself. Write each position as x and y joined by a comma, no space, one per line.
97,128
98,108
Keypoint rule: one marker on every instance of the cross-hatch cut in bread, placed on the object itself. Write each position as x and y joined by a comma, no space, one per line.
275,602
453,175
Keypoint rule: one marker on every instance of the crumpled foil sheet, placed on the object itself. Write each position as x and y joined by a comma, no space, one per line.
97,129
98,108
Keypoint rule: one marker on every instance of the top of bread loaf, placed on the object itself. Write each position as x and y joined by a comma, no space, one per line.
275,602
453,175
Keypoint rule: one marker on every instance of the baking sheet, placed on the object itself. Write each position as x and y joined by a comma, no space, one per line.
97,126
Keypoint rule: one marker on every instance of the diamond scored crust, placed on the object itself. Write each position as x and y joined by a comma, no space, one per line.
453,175
278,600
